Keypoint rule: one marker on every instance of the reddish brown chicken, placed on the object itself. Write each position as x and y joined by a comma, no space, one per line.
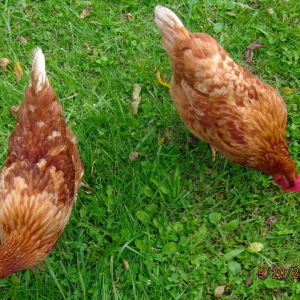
225,105
40,178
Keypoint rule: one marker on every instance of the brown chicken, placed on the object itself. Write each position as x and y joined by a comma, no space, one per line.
225,105
40,178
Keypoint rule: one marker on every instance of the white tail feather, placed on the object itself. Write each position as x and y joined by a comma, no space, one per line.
38,71
165,15
170,26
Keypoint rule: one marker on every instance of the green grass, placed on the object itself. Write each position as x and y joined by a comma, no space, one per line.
160,213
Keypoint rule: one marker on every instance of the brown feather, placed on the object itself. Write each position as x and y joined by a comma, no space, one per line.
222,103
39,181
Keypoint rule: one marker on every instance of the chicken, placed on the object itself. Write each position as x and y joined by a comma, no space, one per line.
40,178
225,105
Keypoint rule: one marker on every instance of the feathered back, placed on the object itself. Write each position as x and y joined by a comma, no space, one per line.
222,103
40,178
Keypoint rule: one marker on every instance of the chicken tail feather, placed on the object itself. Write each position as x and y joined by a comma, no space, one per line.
38,71
170,26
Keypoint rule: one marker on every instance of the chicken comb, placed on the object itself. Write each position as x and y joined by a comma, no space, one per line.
283,183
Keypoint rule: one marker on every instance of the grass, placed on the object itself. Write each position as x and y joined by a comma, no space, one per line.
172,224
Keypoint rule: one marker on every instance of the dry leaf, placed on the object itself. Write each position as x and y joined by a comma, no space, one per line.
133,155
87,47
277,295
166,137
248,281
85,12
230,13
185,219
161,79
287,90
14,110
23,40
125,264
136,98
271,220
161,140
169,133
213,153
28,9
191,139
219,291
18,70
250,49
86,187
255,247
129,17
4,62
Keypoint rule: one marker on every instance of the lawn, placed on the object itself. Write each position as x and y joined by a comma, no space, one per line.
170,224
